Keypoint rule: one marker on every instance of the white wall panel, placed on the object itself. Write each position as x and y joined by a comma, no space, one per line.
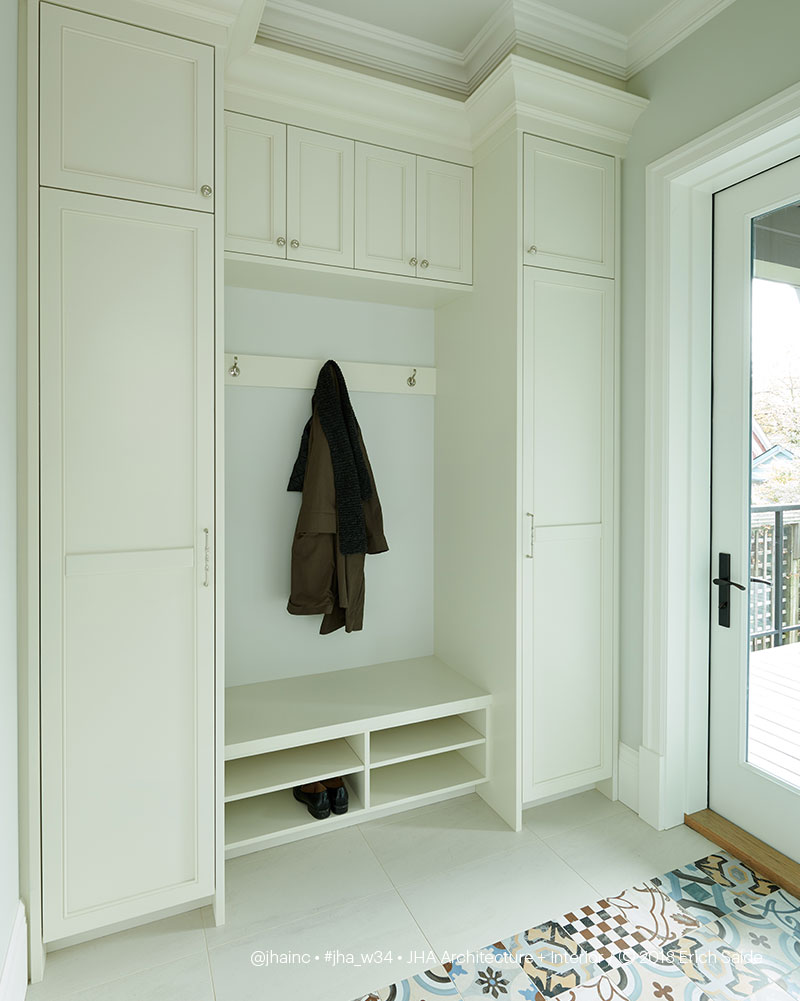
263,428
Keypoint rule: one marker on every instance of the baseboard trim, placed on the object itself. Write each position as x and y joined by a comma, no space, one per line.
14,978
628,776
747,848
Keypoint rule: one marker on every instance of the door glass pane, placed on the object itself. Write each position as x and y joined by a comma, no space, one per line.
773,742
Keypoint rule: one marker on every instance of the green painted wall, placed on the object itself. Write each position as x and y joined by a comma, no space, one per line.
741,57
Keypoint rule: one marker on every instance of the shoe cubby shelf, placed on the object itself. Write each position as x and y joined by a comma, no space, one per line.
400,734
262,773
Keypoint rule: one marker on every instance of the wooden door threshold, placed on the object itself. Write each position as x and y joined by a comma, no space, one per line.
765,860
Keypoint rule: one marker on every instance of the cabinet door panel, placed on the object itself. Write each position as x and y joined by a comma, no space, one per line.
444,221
571,705
320,179
386,210
569,442
125,111
255,185
127,480
569,208
571,347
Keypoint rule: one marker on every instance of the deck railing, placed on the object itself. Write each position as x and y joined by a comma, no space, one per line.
775,556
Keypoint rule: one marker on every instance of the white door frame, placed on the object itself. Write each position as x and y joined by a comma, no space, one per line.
673,758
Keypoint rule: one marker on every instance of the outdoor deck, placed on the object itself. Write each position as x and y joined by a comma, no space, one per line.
774,735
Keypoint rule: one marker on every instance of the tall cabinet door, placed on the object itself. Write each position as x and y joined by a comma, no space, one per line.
125,111
386,210
570,216
569,435
255,186
127,519
319,197
444,221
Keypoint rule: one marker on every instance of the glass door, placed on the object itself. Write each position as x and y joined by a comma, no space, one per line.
754,768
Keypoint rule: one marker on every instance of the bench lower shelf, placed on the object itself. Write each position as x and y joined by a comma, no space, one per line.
274,818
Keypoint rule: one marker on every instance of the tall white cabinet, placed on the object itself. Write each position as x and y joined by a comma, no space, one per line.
127,476
568,436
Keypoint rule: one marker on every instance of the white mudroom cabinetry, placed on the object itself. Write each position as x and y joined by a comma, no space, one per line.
569,431
171,702
127,508
568,582
308,196
255,186
569,215
125,111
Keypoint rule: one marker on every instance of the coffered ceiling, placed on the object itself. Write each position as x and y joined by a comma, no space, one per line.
454,44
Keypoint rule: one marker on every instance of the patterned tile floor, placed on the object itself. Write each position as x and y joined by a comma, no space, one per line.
713,930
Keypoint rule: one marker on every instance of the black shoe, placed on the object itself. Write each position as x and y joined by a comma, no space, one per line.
315,797
337,795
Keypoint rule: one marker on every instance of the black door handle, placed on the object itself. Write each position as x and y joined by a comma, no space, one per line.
760,580
724,583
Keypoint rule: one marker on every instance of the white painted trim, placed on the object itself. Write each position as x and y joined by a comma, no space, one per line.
560,33
286,87
628,771
680,189
14,973
306,26
668,28
553,103
533,23
301,373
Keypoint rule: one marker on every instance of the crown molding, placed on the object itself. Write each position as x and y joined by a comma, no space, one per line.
304,26
541,26
667,29
519,94
553,103
287,87
532,23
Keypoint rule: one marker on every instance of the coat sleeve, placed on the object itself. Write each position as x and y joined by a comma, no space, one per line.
373,514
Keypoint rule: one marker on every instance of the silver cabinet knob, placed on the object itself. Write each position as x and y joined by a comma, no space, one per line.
423,264
413,262
532,250
206,191
294,244
281,241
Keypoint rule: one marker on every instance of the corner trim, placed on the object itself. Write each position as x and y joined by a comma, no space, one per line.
628,771
14,976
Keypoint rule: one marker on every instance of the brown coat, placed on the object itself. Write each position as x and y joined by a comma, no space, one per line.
323,580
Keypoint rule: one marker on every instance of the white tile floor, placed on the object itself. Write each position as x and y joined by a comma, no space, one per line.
445,878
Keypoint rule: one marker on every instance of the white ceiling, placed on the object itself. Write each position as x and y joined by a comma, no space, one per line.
455,44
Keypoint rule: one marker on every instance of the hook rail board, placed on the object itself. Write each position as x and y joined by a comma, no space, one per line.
301,373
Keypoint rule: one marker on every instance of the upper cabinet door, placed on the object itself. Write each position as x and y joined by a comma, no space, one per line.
125,111
255,186
569,208
444,221
319,197
386,210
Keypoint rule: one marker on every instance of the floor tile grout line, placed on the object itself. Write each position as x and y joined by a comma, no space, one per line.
492,856
402,900
211,973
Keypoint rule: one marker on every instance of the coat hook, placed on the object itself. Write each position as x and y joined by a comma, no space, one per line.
412,379
234,370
